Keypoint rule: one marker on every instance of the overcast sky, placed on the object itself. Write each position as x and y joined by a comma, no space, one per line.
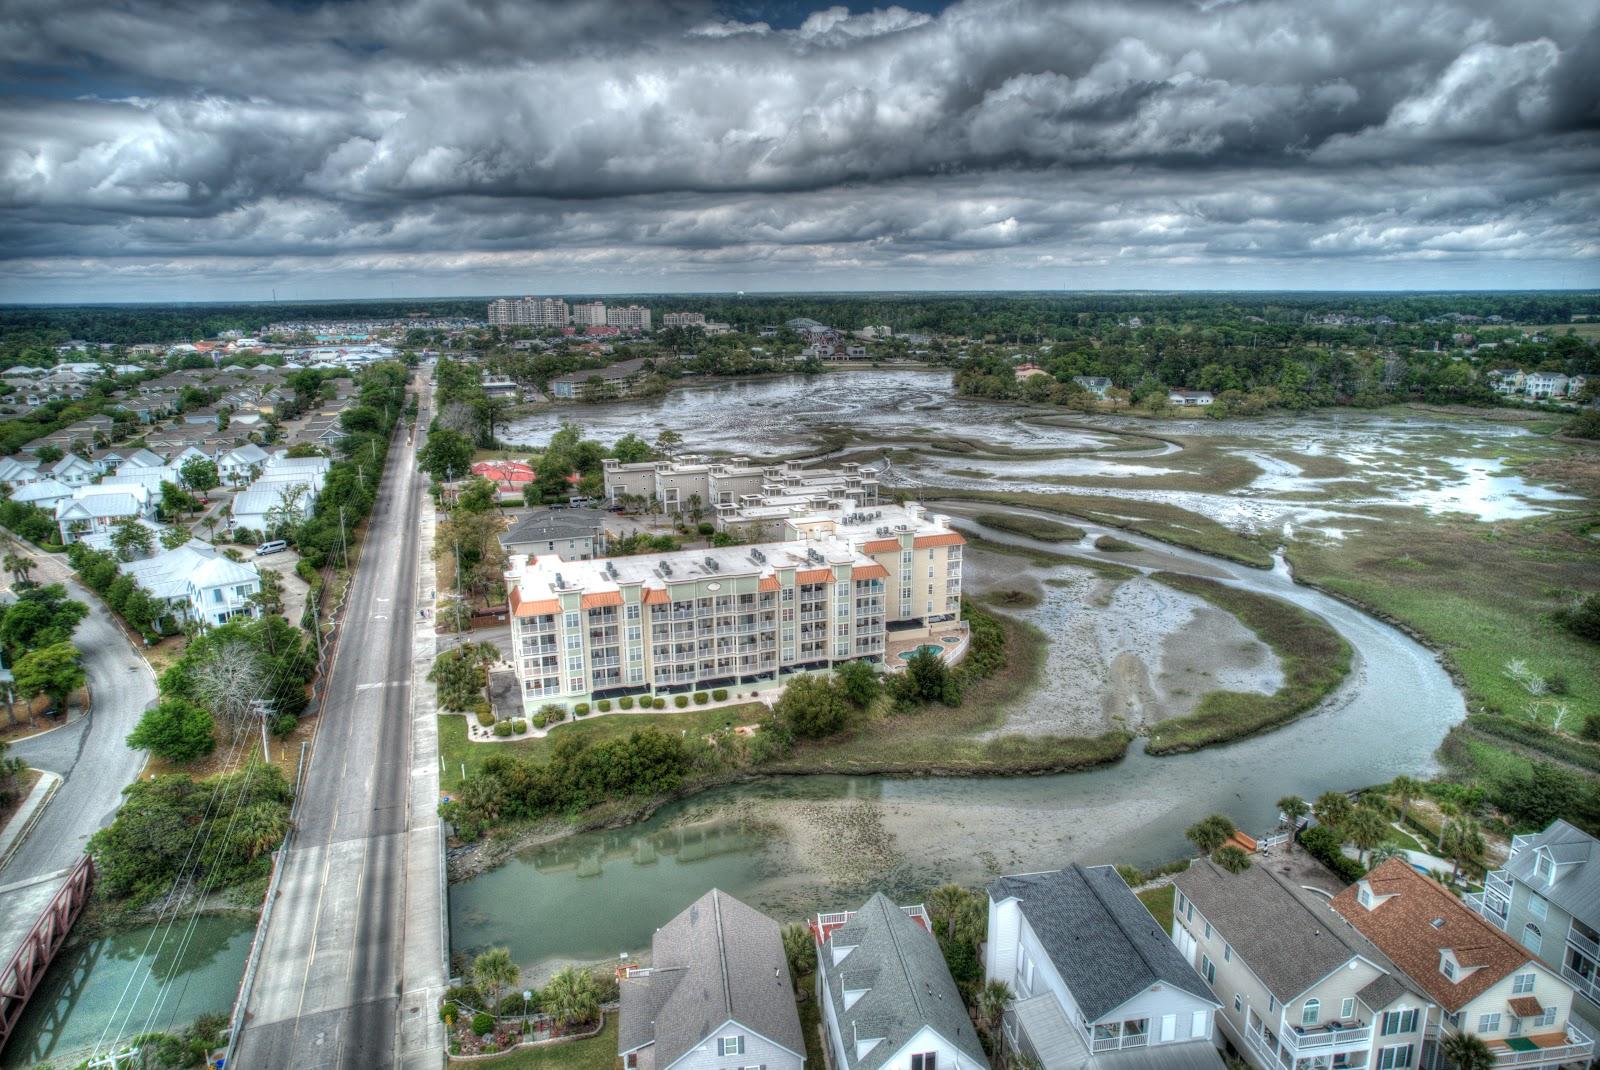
207,149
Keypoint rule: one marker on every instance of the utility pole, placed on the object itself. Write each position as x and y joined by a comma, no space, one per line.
343,541
262,711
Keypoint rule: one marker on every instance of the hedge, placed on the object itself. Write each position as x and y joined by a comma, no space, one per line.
626,702
701,698
679,701
580,710
604,705
1325,846
720,694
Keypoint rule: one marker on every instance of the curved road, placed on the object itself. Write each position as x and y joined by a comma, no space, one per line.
91,755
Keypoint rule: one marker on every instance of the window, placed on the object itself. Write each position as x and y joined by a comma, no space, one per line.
1238,1004
1347,1009
572,620
1447,967
927,1060
1209,969
1398,1022
1489,1023
1272,1004
1310,1012
1365,898
1532,938
1543,868
1547,1018
1394,1058
1208,930
730,1045
1537,907
1522,983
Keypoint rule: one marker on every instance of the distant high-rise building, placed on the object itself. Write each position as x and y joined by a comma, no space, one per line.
589,314
634,316
683,319
528,312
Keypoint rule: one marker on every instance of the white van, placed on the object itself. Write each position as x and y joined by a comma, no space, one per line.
271,547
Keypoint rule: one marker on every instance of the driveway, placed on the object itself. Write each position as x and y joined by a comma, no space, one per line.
90,754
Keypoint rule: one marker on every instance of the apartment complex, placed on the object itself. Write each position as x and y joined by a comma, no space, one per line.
1300,989
593,384
728,490
528,312
633,317
1548,897
683,319
836,590
589,314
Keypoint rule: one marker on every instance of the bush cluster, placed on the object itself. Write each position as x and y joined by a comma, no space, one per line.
1325,846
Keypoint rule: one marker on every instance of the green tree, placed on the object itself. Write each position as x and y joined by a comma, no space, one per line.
198,475
478,496
668,441
993,999
494,972
131,539
1231,857
49,454
41,616
631,449
1293,808
1463,845
176,730
1210,833
571,997
858,682
460,675
1365,828
55,671
447,454
1405,790
811,707
172,538
1332,808
800,950
1464,1051
20,566
175,501
926,679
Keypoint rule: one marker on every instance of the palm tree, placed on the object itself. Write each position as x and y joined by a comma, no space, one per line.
259,829
1293,807
20,566
493,972
1231,858
1405,790
993,999
1467,1052
1365,828
1449,810
1209,833
1332,808
1383,852
944,904
1463,845
570,997
800,948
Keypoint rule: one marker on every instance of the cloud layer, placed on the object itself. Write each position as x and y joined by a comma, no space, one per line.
205,147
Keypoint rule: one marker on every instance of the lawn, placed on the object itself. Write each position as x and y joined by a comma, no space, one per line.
1315,660
1033,527
1158,901
597,1053
457,751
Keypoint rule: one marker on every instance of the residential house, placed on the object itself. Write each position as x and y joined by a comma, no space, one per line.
74,471
716,995
1027,370
1506,380
96,509
239,466
149,478
275,501
1188,398
509,477
571,534
144,458
887,998
1485,983
197,582
1094,975
20,470
1545,385
42,493
1547,896
1094,384
1300,988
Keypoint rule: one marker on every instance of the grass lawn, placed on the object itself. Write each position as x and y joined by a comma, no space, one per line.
1033,527
596,1053
1158,901
1315,660
457,750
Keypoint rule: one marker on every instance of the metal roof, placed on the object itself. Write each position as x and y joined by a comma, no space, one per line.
1575,883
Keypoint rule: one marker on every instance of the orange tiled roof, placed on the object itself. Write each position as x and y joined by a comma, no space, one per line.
600,599
1402,927
814,575
870,572
948,538
881,546
534,607
656,596
768,583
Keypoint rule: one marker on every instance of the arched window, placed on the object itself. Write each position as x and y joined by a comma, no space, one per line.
1532,938
1309,1014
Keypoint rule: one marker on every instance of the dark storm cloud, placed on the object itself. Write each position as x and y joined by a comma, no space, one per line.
632,140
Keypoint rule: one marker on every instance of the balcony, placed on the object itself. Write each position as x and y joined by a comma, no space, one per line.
823,927
1521,843
1588,987
1334,1037
1550,1049
1589,948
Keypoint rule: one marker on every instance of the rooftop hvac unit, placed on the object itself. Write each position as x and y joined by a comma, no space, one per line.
757,554
560,583
711,564
666,569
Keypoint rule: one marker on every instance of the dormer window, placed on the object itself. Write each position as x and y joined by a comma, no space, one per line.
1447,966
1364,897
1543,867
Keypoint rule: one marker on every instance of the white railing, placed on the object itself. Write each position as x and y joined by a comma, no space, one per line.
1586,986
1585,945
1357,1035
1520,843
1579,1047
1496,883
1277,840
1134,1040
1487,907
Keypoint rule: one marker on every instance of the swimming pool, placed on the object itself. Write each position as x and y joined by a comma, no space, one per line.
932,648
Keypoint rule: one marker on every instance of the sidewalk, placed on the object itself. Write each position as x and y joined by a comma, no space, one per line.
27,815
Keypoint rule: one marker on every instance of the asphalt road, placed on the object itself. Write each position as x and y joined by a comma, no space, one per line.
328,987
91,754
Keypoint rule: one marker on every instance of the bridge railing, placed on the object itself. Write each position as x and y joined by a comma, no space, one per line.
26,969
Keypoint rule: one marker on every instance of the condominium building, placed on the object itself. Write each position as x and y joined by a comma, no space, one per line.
722,489
683,319
528,312
839,589
589,314
636,317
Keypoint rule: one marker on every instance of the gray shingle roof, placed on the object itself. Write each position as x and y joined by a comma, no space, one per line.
550,525
1102,940
1576,887
1289,938
909,986
717,961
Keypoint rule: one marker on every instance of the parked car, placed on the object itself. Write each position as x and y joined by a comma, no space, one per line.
272,547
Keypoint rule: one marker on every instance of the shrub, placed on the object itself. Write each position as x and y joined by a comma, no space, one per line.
482,1023
700,698
705,527
580,710
284,724
680,701
485,716
538,720
503,729
176,730
626,702
604,705
553,714
1591,727
1323,845
659,703
720,694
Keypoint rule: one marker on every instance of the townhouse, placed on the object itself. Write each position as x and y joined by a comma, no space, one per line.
700,619
1485,983
1547,896
1300,988
724,488
198,583
613,381
571,534
94,510
887,998
1097,983
716,996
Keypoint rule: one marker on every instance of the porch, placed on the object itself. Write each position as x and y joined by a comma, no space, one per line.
1543,1049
